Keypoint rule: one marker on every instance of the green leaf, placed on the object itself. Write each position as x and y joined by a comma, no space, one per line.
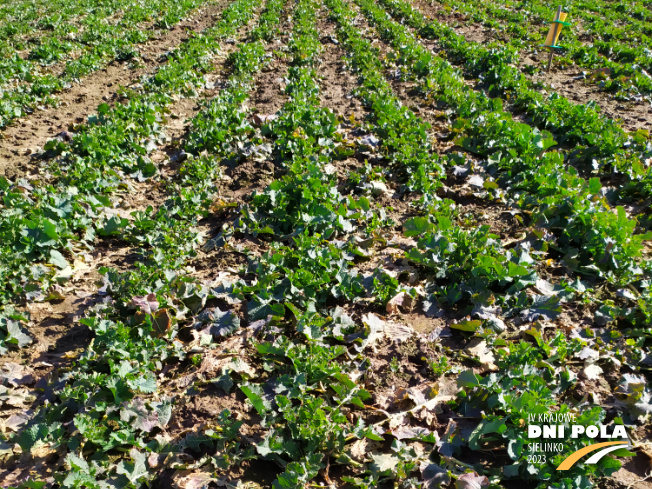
76,462
490,184
224,382
136,472
369,433
113,225
467,325
255,399
416,226
50,229
223,323
144,383
595,185
16,333
119,388
57,259
515,448
444,222
260,308
468,379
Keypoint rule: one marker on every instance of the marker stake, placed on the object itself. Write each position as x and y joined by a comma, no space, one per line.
555,28
553,34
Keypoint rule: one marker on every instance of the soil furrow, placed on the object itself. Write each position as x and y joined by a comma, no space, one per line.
58,336
21,143
572,83
473,208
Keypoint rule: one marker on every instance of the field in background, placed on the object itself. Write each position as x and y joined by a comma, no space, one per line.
338,243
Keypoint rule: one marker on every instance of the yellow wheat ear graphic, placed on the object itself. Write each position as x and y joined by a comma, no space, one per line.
575,456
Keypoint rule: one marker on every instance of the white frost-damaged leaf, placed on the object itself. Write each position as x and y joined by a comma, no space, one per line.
471,480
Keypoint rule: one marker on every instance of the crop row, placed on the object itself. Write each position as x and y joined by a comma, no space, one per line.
516,153
108,403
618,41
87,48
44,220
588,224
306,369
531,387
303,423
595,143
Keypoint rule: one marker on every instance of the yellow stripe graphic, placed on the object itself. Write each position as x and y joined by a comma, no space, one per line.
575,456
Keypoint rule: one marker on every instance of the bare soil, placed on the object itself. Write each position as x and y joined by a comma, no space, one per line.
58,337
269,95
569,82
20,142
51,321
399,368
338,82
